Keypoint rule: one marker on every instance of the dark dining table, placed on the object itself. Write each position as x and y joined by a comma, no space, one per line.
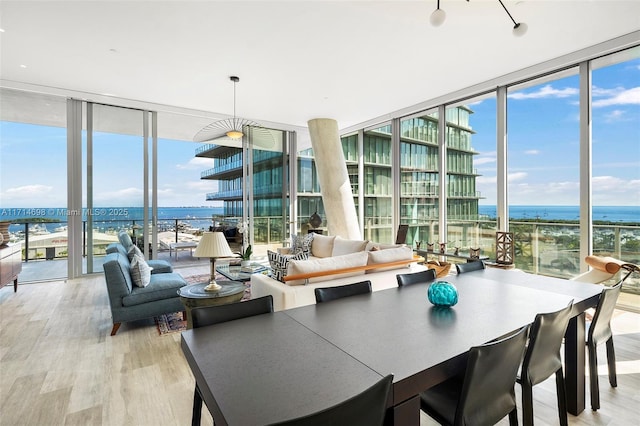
274,367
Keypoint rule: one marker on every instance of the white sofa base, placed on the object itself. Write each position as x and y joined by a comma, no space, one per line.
287,297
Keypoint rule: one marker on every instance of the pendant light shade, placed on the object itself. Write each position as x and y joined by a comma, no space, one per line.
230,127
438,16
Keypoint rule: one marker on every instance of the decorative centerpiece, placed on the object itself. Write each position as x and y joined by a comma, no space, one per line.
430,246
315,220
246,256
443,247
442,293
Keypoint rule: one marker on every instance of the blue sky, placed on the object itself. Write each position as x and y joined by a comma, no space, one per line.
543,152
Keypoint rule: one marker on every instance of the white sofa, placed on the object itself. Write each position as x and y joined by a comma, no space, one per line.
331,254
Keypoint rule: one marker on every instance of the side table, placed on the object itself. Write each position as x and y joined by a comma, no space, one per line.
194,296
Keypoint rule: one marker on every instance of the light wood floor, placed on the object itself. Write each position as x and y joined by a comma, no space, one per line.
59,366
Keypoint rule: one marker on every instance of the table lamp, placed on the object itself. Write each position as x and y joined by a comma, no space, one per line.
213,245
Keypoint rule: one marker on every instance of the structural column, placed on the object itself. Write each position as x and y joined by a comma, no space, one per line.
334,179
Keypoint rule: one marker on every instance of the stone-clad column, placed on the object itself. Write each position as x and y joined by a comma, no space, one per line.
334,179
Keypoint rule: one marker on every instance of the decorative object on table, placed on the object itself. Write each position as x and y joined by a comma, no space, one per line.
504,248
474,253
442,293
315,220
456,251
443,247
442,268
214,246
430,246
245,255
418,245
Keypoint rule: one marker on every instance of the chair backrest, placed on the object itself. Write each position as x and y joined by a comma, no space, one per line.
209,315
600,328
326,294
365,409
488,392
476,265
542,357
401,236
421,277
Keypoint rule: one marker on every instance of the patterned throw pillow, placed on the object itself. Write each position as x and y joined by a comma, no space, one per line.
133,251
279,262
301,243
140,271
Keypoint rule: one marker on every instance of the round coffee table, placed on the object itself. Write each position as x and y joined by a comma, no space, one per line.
194,296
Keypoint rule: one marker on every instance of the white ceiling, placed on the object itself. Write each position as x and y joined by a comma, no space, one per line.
297,60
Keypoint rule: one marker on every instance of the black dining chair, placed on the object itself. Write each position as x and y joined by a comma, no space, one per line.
421,277
326,294
368,408
477,265
209,315
484,393
600,332
542,359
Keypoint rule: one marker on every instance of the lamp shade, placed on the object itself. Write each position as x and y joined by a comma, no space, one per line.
213,244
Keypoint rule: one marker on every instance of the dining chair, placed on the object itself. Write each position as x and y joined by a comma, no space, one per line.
477,265
484,393
209,315
542,359
600,332
368,408
416,277
327,294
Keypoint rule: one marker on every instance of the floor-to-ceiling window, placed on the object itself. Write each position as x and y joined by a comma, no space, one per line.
471,174
378,185
544,173
615,183
33,180
419,178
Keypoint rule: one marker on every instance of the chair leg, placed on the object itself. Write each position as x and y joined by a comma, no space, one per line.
611,363
115,328
527,404
593,377
513,417
562,398
197,407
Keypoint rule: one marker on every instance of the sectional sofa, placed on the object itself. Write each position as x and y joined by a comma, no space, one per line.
327,261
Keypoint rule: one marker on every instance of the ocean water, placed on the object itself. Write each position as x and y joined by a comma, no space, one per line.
542,213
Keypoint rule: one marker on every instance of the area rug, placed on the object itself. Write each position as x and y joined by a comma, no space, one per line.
173,323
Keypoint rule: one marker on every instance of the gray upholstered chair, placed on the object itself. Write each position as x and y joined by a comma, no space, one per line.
129,302
159,266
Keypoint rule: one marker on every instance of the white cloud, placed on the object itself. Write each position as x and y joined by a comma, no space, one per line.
546,92
514,177
625,97
615,116
196,163
532,152
29,191
483,160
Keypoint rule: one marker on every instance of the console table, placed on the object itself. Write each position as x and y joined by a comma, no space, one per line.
467,256
10,265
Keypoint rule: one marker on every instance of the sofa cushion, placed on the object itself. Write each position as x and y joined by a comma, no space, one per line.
162,286
322,245
327,264
371,246
301,243
343,246
125,240
140,271
134,250
279,263
388,255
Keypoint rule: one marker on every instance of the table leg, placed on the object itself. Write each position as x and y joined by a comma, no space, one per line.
574,358
406,413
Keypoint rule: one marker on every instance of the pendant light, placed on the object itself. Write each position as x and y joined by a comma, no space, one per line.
438,17
232,128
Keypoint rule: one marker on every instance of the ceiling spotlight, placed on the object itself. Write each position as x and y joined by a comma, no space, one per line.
438,16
